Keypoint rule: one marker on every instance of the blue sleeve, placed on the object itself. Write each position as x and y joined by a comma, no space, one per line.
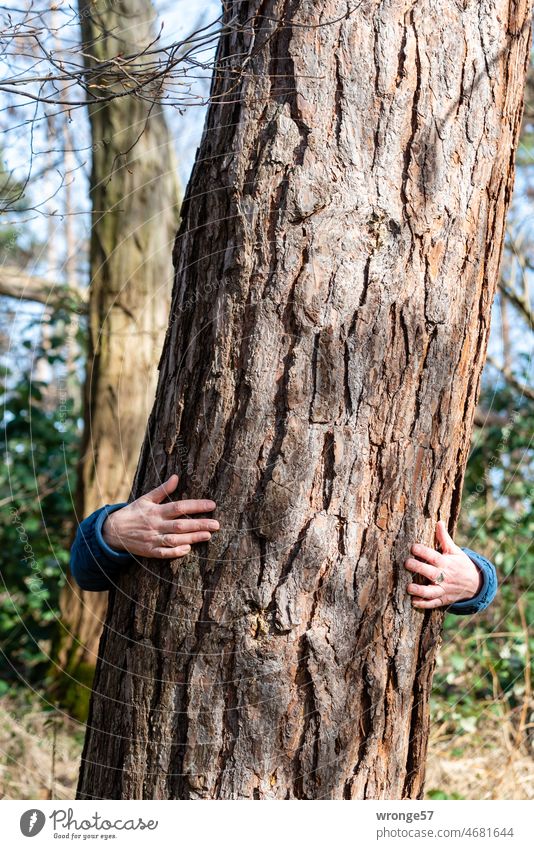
487,592
93,563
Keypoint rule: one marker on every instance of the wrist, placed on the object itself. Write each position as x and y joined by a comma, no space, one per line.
110,533
474,580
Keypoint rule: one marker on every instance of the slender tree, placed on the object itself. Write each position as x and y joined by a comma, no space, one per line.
135,201
334,273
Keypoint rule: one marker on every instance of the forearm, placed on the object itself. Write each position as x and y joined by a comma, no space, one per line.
94,564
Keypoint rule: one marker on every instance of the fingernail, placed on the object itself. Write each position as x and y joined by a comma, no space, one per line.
213,526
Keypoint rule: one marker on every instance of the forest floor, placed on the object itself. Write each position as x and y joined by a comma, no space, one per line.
40,752
489,763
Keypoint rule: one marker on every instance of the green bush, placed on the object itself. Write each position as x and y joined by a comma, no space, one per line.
39,445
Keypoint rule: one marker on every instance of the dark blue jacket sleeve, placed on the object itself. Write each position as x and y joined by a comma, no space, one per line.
487,592
94,565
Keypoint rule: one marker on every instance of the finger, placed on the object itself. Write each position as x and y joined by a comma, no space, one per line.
162,491
426,590
174,540
426,553
183,526
184,507
445,540
171,553
428,604
421,568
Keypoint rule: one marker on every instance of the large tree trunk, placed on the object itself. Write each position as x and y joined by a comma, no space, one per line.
135,200
335,270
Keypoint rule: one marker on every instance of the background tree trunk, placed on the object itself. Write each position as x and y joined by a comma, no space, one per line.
335,269
135,200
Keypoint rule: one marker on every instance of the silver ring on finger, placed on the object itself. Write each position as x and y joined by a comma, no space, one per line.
440,578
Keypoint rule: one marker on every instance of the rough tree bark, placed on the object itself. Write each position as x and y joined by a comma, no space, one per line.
335,269
135,199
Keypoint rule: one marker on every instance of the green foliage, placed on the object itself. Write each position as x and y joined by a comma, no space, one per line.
440,794
72,689
525,151
39,445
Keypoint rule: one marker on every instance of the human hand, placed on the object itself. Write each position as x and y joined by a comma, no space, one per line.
462,578
148,528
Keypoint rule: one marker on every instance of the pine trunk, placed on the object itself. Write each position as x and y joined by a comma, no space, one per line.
135,200
335,270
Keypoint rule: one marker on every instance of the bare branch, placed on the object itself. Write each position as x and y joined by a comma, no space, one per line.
485,418
510,378
17,283
519,302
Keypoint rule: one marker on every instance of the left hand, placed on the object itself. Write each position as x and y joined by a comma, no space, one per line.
151,527
462,578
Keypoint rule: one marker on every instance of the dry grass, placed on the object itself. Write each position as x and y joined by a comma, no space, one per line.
496,762
40,753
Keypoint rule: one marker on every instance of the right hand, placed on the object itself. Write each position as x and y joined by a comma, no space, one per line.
148,528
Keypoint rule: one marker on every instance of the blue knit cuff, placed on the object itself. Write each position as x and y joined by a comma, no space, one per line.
110,553
487,592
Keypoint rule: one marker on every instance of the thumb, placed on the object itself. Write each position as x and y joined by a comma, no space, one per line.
160,492
447,544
